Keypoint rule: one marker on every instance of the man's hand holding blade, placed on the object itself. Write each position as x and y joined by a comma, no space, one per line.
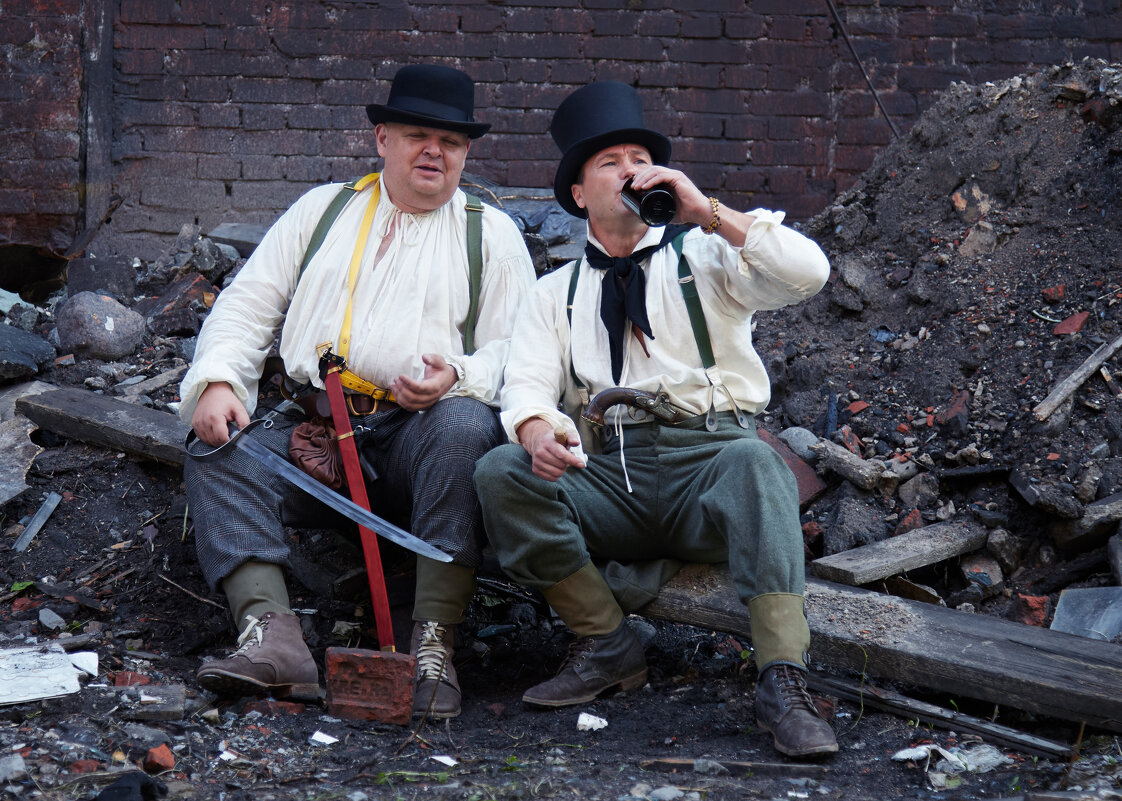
218,406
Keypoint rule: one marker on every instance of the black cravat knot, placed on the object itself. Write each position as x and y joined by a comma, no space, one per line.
623,295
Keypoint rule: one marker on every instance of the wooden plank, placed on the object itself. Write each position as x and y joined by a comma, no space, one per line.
107,422
975,656
912,709
916,548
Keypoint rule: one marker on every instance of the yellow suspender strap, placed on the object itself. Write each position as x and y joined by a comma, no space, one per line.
356,257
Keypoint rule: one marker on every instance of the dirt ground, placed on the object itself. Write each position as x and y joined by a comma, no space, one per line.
955,258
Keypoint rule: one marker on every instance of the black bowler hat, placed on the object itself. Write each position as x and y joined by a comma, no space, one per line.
592,118
432,96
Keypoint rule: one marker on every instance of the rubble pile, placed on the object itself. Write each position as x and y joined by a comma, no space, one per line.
975,268
958,378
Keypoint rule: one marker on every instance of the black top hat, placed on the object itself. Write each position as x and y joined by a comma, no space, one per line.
592,118
432,96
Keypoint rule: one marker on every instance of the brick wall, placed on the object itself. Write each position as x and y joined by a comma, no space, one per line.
204,112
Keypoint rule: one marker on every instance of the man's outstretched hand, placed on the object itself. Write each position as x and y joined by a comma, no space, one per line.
417,395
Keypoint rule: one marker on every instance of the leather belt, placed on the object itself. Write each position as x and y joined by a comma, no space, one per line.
357,405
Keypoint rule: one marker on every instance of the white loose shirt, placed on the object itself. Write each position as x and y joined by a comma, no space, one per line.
414,301
777,266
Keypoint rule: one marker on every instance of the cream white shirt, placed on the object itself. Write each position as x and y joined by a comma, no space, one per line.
414,301
777,266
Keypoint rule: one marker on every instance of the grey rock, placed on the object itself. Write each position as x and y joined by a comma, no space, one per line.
22,354
23,317
12,768
51,620
98,326
1007,549
854,523
799,440
921,492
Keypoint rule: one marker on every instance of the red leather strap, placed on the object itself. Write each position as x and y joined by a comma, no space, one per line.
357,485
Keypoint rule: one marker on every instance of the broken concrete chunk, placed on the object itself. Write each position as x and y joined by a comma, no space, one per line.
1047,496
1100,519
22,354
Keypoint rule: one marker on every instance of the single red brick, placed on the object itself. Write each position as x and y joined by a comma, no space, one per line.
22,604
1052,457
127,678
85,766
159,759
271,707
850,440
1031,610
370,685
912,520
1053,293
1072,324
857,407
956,407
809,483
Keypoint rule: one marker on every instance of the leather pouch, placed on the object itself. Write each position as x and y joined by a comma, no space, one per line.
314,449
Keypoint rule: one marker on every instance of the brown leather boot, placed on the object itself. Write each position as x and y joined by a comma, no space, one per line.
272,658
435,680
784,708
595,665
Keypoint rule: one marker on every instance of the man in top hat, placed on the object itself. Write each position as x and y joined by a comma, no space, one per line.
698,487
402,323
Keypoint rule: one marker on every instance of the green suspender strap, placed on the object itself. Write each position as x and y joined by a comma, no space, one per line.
582,390
474,249
475,267
325,223
704,343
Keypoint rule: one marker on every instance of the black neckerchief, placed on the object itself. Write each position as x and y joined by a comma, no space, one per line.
617,304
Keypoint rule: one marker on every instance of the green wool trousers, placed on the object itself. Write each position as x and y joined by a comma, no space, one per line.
695,496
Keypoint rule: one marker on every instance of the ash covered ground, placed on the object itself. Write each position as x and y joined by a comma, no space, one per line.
957,257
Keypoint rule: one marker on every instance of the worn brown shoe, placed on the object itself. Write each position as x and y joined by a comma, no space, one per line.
784,708
272,658
594,665
435,680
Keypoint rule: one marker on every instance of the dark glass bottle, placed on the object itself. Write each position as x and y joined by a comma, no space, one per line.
655,206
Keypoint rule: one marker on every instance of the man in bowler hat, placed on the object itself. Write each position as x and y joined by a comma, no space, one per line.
598,532
390,284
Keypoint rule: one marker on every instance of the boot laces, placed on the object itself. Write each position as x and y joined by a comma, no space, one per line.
579,649
432,656
253,635
792,687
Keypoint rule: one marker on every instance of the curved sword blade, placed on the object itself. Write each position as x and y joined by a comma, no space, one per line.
294,475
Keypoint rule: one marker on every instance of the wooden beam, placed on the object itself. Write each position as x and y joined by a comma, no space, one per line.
888,701
916,548
975,656
108,422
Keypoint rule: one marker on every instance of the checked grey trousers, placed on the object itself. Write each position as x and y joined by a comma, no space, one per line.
698,496
424,461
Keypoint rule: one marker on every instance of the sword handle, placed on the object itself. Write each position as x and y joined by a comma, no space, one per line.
221,450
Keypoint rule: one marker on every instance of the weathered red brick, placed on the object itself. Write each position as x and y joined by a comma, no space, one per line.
159,759
1053,294
810,485
912,520
1072,324
271,707
1030,609
370,685
85,766
128,678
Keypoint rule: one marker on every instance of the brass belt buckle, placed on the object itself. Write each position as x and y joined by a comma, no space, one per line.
351,406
